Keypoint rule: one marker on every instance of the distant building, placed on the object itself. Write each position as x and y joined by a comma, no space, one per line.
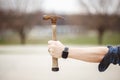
61,30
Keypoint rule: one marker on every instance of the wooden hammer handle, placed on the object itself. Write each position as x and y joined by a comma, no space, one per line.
54,60
53,19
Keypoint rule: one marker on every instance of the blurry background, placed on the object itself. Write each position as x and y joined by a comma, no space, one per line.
24,35
86,22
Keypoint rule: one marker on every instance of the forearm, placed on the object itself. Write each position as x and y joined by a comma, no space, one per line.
90,54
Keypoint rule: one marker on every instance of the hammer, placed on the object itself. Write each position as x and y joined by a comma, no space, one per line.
53,19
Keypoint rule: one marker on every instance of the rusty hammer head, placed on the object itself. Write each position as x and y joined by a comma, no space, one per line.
53,18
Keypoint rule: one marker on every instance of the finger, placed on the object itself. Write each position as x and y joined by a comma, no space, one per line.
51,46
50,50
58,42
51,42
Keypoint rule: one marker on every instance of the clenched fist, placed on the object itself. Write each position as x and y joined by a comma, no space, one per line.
55,48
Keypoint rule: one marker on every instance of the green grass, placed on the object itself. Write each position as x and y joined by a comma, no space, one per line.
108,38
80,40
111,38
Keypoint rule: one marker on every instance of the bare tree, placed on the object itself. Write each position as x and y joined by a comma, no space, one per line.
100,13
18,16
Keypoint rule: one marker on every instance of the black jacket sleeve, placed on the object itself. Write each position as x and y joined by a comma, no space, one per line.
113,56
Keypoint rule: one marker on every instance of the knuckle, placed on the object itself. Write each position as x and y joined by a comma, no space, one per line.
50,41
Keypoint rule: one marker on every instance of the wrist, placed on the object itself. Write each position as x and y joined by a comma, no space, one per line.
71,52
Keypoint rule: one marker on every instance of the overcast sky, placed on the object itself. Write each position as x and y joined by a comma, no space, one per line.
74,6
59,6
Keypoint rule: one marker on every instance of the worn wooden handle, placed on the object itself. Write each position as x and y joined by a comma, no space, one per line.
54,60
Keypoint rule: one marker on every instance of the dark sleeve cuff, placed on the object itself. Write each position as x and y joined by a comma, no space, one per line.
113,56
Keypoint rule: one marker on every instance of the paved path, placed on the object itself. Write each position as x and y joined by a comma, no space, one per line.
34,63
